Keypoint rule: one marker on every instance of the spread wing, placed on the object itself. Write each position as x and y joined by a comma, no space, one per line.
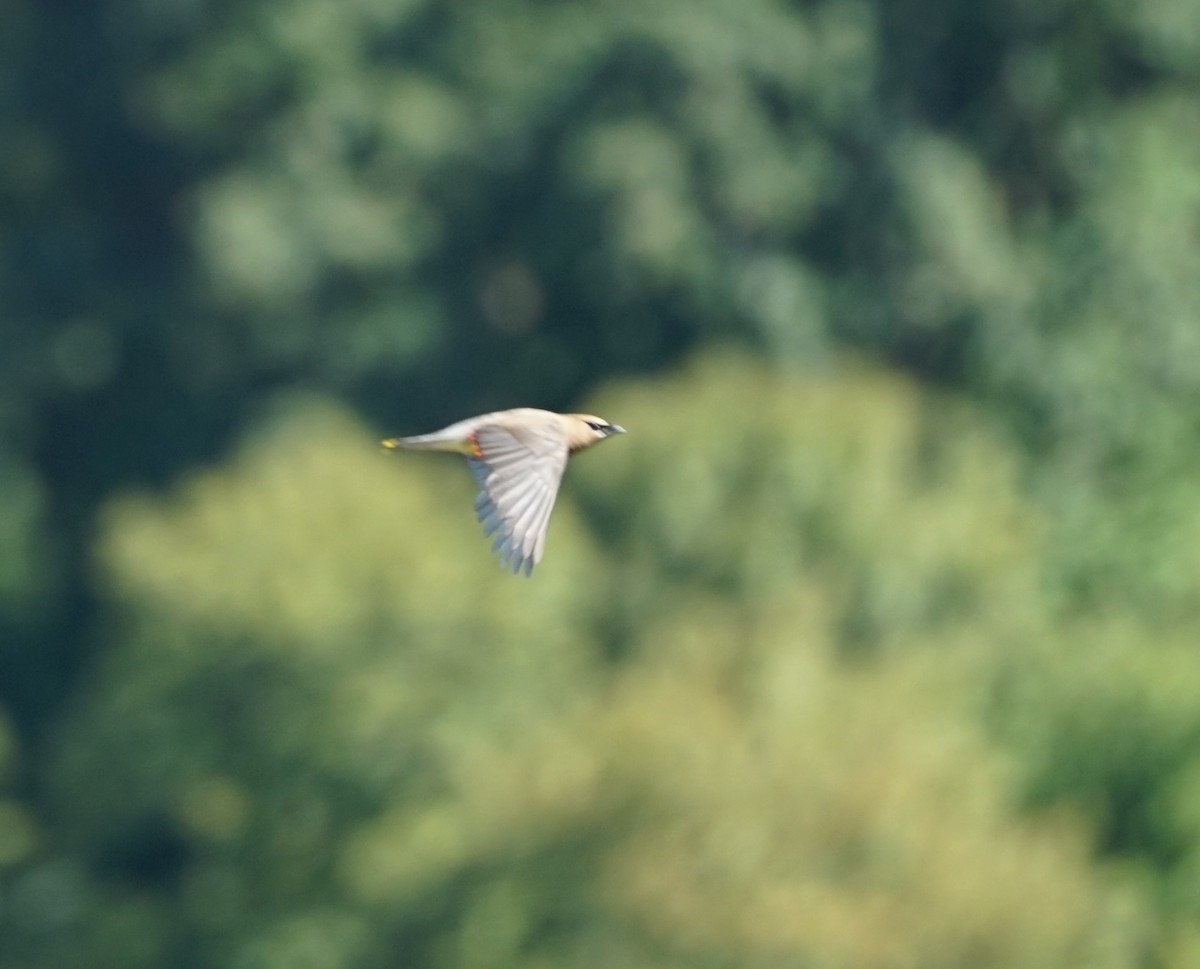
519,471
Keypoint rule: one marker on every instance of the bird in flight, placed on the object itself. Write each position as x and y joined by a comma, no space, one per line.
518,457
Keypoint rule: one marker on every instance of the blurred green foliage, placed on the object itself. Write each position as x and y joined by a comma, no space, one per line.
872,645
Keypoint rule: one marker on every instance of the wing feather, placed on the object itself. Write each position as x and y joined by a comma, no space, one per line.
540,526
518,471
527,508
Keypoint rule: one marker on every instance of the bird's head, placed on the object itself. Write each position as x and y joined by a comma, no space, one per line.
587,429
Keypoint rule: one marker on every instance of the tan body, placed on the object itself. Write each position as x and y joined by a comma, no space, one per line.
518,457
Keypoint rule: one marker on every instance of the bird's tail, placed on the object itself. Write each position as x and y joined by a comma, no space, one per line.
438,441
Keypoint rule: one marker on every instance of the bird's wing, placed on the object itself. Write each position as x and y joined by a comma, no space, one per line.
518,469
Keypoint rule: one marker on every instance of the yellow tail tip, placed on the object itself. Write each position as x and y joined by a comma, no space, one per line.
390,443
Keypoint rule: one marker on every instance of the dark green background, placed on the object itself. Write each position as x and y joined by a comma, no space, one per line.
873,643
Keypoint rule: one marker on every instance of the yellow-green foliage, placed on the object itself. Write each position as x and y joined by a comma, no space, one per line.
872,647
369,746
746,482
800,810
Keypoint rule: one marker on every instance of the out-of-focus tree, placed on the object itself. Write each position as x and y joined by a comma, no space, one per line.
429,208
326,728
438,207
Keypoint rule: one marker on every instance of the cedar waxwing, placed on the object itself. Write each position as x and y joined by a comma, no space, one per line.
518,457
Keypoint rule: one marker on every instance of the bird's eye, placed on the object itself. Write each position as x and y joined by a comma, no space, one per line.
594,425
